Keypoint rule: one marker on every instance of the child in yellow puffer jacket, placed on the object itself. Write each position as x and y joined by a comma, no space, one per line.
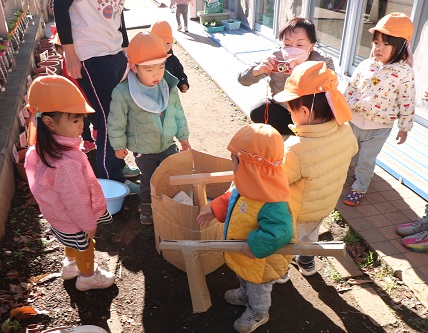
317,158
256,210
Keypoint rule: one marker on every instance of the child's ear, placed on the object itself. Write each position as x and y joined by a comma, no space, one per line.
133,67
305,111
49,122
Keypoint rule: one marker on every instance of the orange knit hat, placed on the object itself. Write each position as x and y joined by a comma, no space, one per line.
259,176
313,77
396,25
163,30
54,93
146,49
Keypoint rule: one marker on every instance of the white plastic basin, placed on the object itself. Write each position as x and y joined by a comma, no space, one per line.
114,192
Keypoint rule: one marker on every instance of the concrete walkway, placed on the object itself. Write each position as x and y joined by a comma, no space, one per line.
387,203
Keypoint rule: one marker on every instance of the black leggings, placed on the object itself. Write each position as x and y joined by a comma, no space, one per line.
278,117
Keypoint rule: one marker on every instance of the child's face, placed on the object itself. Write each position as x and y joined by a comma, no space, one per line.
149,75
381,50
168,47
69,125
235,162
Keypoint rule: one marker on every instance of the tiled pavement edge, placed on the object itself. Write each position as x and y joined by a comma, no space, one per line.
387,202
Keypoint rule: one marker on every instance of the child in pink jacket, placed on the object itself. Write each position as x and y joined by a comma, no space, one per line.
62,180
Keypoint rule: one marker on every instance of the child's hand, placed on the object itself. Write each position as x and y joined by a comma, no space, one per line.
205,216
91,234
121,153
247,252
184,88
185,145
401,137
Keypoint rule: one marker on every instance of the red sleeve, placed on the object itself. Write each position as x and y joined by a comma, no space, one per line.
219,206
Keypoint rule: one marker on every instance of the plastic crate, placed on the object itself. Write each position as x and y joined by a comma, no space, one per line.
214,29
213,17
231,24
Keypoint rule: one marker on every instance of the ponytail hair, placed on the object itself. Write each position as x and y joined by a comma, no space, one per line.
46,145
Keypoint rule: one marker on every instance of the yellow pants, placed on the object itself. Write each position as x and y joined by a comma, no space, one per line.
84,259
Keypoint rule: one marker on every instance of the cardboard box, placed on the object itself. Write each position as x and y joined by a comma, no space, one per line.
176,221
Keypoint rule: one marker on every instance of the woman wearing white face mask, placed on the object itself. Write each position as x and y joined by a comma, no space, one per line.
298,39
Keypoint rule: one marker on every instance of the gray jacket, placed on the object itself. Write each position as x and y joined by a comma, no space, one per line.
277,80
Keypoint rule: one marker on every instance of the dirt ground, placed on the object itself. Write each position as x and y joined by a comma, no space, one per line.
151,295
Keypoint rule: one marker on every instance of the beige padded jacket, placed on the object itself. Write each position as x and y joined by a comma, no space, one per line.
316,163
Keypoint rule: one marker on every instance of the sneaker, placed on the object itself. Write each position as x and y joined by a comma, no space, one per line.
306,269
88,146
146,216
186,30
249,321
99,280
69,269
407,229
417,242
179,28
235,297
130,171
353,198
133,188
285,278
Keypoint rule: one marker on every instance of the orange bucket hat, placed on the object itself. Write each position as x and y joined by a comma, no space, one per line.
395,25
54,93
146,49
259,176
163,30
313,77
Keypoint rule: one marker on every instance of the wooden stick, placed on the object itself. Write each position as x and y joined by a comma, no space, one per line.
201,300
330,249
199,182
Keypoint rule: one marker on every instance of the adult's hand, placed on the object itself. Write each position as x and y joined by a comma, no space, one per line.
266,66
74,66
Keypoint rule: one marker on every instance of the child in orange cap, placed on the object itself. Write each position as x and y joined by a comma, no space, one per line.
317,157
173,65
61,178
146,113
381,91
256,210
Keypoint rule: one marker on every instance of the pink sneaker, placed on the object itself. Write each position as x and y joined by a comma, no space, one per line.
88,146
69,269
99,280
417,242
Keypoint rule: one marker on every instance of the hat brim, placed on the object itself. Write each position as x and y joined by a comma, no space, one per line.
154,61
285,96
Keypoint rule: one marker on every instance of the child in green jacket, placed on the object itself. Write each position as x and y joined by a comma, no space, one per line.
146,113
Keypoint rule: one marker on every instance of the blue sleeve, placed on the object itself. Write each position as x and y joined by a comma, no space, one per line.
275,230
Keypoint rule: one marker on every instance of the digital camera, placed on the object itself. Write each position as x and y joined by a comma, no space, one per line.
281,66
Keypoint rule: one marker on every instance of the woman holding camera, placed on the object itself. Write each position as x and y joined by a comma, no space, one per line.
298,39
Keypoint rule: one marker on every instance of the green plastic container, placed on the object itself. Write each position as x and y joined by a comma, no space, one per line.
231,24
214,29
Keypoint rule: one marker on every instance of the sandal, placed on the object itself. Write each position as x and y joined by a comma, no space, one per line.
353,198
